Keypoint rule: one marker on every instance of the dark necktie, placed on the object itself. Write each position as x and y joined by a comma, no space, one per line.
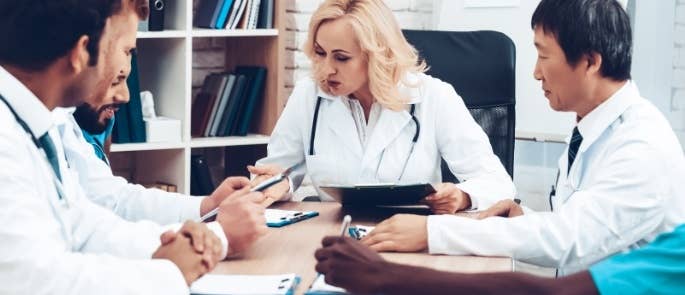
51,153
573,146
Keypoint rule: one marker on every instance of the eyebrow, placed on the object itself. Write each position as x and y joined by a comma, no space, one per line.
538,45
334,50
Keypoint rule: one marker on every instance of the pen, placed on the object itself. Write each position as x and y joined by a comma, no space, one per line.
260,187
343,229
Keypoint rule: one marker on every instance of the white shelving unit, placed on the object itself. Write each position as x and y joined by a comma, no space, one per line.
165,68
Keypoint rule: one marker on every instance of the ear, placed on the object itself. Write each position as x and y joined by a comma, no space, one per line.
594,62
79,56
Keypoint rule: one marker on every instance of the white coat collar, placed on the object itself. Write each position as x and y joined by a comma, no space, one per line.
27,106
598,120
390,123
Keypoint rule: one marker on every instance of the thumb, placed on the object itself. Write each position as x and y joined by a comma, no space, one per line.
167,237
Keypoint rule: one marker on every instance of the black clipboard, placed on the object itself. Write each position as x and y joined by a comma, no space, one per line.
378,194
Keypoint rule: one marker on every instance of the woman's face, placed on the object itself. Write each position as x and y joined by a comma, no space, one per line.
341,67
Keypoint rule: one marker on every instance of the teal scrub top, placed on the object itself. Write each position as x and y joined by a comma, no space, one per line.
98,140
658,268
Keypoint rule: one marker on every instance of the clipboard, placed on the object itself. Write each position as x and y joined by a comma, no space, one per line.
378,194
279,218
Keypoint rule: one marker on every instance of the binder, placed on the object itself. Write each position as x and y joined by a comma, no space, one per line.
280,218
206,13
223,104
223,14
135,106
230,114
223,79
252,98
121,131
201,183
266,15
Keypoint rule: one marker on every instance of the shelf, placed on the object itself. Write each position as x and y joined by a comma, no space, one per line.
252,139
145,146
162,34
234,33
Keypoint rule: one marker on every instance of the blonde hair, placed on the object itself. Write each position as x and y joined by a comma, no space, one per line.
390,57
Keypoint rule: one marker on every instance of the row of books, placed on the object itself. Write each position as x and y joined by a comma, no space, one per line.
227,101
235,14
167,187
129,125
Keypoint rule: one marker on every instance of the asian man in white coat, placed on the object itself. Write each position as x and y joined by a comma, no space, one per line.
55,240
619,179
369,115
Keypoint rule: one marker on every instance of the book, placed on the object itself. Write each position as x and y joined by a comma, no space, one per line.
223,104
266,15
238,14
242,24
121,132
201,183
223,78
135,106
207,13
245,284
223,14
234,13
254,14
233,103
200,106
252,98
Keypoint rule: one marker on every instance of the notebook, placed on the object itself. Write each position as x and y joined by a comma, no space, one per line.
245,284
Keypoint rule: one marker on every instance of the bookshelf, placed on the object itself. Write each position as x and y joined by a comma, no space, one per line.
165,64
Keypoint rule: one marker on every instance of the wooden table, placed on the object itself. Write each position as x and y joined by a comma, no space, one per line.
290,249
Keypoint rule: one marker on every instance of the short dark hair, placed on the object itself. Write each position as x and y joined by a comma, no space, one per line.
586,26
35,33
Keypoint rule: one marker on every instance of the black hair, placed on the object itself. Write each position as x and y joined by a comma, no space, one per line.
35,33
588,26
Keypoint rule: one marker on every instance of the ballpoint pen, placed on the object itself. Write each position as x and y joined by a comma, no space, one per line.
344,227
258,188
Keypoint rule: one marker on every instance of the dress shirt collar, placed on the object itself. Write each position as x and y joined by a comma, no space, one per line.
605,114
27,106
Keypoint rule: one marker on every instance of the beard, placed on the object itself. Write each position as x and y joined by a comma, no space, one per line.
88,118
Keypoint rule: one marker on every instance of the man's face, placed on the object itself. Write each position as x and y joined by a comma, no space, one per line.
562,83
96,119
117,43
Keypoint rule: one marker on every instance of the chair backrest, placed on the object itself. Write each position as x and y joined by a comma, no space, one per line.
481,67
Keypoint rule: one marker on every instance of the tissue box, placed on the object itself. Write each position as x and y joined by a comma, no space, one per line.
163,129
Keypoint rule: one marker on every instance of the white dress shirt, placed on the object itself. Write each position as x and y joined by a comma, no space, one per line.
343,155
623,189
131,201
67,245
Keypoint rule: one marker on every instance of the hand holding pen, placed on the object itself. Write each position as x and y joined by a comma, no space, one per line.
269,172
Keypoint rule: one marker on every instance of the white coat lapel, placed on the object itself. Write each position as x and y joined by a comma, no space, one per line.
339,121
389,127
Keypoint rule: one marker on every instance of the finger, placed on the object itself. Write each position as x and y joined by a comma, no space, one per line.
430,197
330,240
376,238
237,182
322,254
196,234
384,246
256,197
323,267
263,169
167,237
446,191
238,194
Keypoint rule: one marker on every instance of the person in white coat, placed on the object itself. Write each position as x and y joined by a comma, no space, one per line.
134,202
55,241
370,115
619,179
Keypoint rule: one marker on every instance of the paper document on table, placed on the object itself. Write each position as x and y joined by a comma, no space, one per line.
245,284
320,287
278,218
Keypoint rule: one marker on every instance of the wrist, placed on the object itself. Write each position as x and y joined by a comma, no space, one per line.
207,205
466,201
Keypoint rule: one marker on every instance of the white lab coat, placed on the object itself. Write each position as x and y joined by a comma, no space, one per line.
447,131
131,201
69,245
622,191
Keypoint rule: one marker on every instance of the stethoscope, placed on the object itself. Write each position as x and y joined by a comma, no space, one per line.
413,141
58,183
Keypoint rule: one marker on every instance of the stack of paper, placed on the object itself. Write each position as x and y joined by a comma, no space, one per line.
245,284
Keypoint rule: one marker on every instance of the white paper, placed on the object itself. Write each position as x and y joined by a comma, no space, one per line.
277,215
243,284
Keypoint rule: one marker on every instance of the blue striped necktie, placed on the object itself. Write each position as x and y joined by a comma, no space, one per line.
573,146
51,153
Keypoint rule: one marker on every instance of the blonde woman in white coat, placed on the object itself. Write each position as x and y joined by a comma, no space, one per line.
370,115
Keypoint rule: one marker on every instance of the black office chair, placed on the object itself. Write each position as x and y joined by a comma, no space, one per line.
481,67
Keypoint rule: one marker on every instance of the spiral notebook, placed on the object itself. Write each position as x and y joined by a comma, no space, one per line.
245,284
